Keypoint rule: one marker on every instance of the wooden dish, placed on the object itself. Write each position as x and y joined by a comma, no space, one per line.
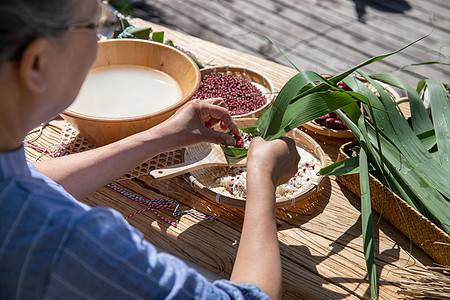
322,130
203,182
430,238
258,79
134,52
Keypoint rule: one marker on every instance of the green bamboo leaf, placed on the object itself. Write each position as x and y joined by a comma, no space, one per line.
413,182
270,121
279,49
423,64
310,107
419,115
139,33
428,139
440,111
158,36
411,147
350,124
366,213
335,79
344,167
287,92
251,130
234,155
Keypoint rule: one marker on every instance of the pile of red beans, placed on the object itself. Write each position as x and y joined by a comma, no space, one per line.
240,95
332,120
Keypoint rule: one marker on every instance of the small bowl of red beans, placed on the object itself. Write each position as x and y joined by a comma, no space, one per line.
246,93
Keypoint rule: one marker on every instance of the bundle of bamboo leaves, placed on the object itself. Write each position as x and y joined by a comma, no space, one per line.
412,160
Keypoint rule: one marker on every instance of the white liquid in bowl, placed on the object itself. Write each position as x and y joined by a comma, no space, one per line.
128,91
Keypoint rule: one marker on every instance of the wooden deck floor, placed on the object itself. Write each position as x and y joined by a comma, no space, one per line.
320,35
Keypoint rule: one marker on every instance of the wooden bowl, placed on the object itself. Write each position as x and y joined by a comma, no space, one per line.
141,53
203,180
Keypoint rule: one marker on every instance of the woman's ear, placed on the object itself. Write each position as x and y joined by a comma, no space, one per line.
34,65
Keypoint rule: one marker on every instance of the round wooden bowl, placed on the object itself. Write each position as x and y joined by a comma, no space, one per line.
323,130
133,52
256,78
203,180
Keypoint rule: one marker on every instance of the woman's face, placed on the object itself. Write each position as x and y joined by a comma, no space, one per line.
75,52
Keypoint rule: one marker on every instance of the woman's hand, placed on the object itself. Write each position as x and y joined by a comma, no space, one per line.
192,124
278,159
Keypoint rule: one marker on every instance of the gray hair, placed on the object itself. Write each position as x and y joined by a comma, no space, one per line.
22,21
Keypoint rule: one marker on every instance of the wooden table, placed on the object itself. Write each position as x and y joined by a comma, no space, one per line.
321,251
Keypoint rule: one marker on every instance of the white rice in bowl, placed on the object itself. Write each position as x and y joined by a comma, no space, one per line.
232,182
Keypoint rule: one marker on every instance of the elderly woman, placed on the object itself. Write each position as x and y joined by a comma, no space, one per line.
53,246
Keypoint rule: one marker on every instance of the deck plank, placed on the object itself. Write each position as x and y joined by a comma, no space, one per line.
324,36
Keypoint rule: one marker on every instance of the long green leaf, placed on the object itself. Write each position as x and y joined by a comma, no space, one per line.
419,115
310,107
366,216
270,121
409,144
403,176
440,111
344,167
287,92
414,182
428,139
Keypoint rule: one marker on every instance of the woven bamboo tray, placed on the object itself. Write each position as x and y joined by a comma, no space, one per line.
431,239
204,183
322,130
256,78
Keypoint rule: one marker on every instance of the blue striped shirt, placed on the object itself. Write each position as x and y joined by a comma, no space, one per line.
54,247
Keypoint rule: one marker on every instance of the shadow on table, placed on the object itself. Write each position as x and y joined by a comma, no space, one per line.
393,6
303,211
148,12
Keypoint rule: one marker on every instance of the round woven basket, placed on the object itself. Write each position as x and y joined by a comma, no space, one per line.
257,79
203,180
322,130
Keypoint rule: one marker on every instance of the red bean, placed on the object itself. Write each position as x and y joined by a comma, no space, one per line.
240,95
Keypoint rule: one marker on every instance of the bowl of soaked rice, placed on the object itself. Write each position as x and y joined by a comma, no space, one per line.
227,186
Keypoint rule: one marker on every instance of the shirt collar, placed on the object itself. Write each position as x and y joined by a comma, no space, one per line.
14,164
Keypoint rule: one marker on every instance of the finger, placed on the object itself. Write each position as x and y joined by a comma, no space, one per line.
216,101
221,113
223,126
211,122
218,137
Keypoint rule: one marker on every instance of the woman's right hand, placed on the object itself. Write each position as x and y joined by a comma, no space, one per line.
278,159
269,163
